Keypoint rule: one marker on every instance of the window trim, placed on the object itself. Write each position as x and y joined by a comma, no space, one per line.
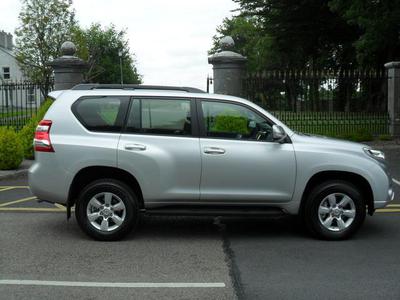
202,127
122,110
193,116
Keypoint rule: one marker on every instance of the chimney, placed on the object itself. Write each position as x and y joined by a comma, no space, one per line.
2,39
9,38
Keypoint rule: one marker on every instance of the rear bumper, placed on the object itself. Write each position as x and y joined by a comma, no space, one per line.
48,182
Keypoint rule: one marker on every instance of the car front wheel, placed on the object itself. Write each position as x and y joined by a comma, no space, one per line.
334,210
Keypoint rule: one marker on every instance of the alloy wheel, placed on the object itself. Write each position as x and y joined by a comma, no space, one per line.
336,212
106,211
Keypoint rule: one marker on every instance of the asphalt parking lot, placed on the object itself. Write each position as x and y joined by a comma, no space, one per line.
43,256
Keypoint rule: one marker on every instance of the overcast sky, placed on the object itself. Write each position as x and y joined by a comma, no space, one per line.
169,37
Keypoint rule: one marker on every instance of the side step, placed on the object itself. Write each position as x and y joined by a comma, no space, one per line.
215,211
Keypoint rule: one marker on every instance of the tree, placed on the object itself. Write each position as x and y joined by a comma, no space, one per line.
303,33
249,39
101,48
44,26
379,28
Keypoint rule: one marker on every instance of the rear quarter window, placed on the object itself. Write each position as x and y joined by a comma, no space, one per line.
103,114
160,117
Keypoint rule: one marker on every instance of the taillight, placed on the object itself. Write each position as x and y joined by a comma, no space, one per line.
42,137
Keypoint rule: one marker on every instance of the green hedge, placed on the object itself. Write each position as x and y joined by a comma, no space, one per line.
11,151
355,126
27,133
226,123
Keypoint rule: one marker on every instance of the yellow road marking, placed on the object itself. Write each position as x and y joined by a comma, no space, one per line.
393,205
15,186
7,189
387,210
17,201
32,209
62,208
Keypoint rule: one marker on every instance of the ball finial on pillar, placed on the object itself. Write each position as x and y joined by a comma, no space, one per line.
226,43
68,49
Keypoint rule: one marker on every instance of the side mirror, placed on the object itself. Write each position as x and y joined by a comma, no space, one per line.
278,134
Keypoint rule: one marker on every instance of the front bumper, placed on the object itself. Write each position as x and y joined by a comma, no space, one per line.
389,198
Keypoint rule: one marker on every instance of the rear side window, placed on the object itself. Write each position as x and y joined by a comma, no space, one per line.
160,116
104,114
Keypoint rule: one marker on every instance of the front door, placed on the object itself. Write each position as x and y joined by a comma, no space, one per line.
241,164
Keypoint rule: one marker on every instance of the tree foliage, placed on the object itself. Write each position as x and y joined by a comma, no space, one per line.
101,48
44,26
315,33
249,40
379,26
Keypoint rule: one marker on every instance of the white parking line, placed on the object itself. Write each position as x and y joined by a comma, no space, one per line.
396,181
115,284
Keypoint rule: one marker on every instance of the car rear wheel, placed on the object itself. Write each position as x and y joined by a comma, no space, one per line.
107,210
334,210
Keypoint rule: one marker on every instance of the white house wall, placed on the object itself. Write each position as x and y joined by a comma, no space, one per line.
15,96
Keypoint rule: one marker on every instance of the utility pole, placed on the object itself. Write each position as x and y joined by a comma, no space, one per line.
120,66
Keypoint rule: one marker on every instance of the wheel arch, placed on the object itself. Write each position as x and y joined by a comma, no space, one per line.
359,181
89,174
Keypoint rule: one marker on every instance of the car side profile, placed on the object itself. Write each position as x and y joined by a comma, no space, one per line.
116,152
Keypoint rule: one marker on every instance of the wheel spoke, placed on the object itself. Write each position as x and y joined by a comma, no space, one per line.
94,202
328,222
119,206
104,225
346,200
117,220
332,200
107,198
93,216
350,213
341,224
323,210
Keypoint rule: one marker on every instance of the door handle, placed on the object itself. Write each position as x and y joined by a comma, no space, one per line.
214,150
135,147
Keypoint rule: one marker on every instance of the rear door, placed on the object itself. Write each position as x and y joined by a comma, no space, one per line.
160,147
241,164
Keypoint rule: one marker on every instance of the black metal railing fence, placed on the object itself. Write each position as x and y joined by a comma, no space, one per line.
19,101
331,102
318,90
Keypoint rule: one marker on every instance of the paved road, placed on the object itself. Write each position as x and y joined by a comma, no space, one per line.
248,258
44,246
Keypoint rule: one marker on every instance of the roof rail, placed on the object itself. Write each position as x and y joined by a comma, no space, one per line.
95,86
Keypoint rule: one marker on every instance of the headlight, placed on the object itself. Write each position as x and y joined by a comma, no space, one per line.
377,154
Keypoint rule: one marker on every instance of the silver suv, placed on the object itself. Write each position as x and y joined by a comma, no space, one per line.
118,152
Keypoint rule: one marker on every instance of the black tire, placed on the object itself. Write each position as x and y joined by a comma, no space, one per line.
312,218
121,193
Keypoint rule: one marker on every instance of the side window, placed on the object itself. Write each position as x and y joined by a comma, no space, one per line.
6,73
160,116
232,121
103,114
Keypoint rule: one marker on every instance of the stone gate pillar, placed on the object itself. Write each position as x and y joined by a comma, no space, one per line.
228,69
394,97
68,69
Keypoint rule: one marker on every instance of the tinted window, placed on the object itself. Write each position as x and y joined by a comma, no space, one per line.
101,113
233,121
160,116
